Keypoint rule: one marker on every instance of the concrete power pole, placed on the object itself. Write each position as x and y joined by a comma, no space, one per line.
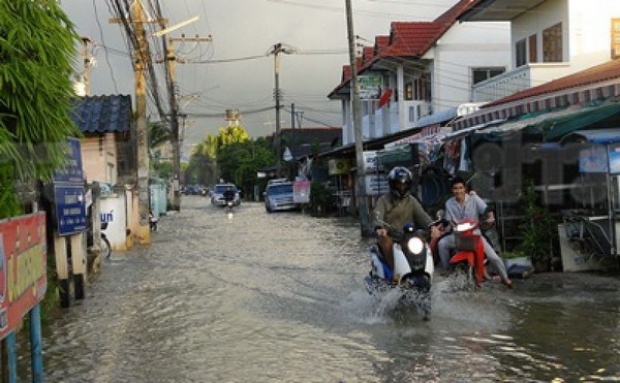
171,59
360,191
141,57
275,51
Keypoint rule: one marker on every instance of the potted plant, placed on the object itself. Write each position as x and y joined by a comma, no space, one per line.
539,231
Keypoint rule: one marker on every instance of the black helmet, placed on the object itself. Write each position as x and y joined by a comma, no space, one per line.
400,180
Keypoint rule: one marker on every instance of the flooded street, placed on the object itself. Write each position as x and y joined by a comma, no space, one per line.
279,298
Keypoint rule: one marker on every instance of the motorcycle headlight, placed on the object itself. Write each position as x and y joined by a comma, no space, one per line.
415,245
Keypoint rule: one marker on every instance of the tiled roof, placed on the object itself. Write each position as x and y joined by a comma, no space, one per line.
596,74
102,114
407,39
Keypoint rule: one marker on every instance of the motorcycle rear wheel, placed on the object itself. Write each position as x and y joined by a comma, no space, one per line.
106,249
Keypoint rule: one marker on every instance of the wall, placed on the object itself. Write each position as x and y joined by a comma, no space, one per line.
99,158
464,47
113,211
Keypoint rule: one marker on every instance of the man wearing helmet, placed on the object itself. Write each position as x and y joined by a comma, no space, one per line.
395,208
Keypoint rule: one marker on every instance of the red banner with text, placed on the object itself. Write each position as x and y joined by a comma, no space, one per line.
23,259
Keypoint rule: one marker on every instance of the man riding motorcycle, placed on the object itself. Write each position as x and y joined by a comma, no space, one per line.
396,208
229,194
464,205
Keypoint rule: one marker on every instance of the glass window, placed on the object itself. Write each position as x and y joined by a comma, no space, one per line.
520,53
552,44
532,48
482,74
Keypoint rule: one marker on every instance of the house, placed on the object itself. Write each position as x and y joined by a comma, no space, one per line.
420,69
549,39
109,157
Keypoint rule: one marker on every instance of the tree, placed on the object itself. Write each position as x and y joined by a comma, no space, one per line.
37,46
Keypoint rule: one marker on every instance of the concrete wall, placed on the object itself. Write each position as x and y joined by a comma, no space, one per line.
99,158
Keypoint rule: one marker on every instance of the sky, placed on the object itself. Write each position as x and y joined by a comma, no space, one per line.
234,69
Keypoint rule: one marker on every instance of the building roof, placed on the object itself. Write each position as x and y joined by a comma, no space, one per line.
102,114
596,74
304,142
407,39
595,83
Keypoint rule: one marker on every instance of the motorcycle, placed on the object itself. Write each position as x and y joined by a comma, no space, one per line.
412,272
104,248
467,259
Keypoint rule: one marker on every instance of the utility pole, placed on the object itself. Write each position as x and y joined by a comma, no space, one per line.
171,59
141,57
360,192
87,60
275,51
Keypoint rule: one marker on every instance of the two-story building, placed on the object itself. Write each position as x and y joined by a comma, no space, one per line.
420,69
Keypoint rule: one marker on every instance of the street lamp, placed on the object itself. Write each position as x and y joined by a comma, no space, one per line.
275,51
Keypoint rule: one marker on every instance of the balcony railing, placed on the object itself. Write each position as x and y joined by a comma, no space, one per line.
522,78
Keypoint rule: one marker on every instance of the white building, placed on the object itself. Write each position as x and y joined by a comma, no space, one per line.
549,39
422,68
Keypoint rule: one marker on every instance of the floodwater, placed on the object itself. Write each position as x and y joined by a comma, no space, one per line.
279,298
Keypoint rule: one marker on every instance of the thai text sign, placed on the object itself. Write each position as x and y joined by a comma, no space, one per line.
23,259
376,184
72,172
70,207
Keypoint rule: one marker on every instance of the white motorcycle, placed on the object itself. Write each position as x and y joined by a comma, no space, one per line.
413,269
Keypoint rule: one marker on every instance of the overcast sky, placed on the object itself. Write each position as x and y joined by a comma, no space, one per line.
228,76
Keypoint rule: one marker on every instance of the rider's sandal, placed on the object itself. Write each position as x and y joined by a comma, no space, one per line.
507,282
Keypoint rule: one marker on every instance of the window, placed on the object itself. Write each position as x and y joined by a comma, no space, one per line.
520,53
422,87
409,91
482,74
615,39
532,49
552,44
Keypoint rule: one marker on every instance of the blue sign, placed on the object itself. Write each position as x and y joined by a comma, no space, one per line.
69,204
72,172
70,209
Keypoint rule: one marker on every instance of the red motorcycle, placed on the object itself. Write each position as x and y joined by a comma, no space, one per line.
468,257
469,254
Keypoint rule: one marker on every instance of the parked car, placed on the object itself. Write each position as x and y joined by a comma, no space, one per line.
279,197
217,194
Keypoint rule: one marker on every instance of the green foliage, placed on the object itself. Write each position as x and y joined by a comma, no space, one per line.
539,232
37,46
239,162
321,198
163,170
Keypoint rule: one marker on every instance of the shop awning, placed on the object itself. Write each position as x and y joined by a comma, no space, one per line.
557,124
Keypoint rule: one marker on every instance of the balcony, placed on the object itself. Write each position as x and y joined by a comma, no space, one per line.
522,78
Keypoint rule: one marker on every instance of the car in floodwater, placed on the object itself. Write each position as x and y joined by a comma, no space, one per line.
279,197
217,195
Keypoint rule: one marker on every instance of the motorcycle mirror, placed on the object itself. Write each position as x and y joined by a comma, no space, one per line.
439,214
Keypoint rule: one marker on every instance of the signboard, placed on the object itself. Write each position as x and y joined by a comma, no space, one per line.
337,166
72,172
23,263
370,86
70,209
301,191
371,162
69,193
593,159
376,184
